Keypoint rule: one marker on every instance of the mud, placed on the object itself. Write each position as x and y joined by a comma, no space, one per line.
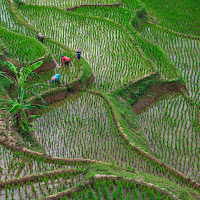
46,66
152,95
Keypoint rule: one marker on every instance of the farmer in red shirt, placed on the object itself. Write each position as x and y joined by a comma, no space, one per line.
65,60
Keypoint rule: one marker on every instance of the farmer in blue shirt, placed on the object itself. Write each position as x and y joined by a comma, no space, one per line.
78,51
56,78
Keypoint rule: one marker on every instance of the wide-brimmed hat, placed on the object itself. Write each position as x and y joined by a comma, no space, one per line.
53,78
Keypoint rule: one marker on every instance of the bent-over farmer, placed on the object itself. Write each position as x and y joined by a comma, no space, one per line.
65,60
40,37
78,51
56,78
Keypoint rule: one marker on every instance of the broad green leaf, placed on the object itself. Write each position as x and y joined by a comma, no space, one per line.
31,68
38,96
11,67
12,101
24,114
36,84
27,107
15,108
5,108
21,94
40,106
33,123
35,116
4,74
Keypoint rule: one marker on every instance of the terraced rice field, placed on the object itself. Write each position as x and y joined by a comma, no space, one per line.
25,49
15,165
91,147
170,128
68,3
184,53
116,190
104,45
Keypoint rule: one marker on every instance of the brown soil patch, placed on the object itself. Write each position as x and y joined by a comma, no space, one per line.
153,94
46,66
13,61
198,118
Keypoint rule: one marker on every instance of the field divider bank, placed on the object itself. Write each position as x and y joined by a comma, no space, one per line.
84,77
175,33
36,177
51,159
98,177
94,5
47,59
138,35
139,150
139,50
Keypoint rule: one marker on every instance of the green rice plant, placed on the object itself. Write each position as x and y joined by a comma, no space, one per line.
24,48
132,5
153,52
178,15
183,52
68,3
82,127
117,14
104,45
106,192
42,187
8,20
176,146
15,164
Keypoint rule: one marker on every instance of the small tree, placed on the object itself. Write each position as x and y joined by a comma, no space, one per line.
18,106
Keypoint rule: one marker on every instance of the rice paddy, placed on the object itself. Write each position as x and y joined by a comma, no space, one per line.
68,3
25,49
184,53
172,132
104,45
84,132
117,190
179,15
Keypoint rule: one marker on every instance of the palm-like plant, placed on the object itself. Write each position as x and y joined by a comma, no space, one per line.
18,106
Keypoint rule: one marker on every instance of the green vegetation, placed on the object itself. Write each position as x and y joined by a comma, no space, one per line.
108,130
18,106
68,3
105,44
125,17
24,48
117,14
178,15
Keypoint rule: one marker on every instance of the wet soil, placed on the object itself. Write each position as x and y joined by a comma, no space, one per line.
153,94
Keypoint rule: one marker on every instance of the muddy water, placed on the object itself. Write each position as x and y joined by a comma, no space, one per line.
104,46
40,189
169,126
83,128
19,166
184,52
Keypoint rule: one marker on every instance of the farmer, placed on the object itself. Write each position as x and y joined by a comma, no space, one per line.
78,51
40,37
56,78
65,60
